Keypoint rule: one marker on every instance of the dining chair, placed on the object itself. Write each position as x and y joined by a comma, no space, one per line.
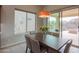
36,47
28,44
32,32
39,36
67,47
63,49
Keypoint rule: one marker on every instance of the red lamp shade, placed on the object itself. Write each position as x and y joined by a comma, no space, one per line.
43,14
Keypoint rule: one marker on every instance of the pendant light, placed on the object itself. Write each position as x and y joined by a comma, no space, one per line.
44,14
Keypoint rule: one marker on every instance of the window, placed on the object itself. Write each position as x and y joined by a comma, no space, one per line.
20,22
70,25
30,22
24,21
53,22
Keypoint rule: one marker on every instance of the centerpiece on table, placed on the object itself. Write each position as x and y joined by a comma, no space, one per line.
44,28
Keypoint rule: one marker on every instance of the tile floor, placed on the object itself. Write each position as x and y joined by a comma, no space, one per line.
15,49
20,48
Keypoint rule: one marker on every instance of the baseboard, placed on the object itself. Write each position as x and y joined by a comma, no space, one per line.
13,44
75,46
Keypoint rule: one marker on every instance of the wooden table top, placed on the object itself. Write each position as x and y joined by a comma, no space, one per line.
51,41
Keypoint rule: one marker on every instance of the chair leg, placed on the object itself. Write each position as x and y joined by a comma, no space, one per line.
31,51
26,49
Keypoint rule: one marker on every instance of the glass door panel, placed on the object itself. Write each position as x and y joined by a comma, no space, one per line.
70,25
54,22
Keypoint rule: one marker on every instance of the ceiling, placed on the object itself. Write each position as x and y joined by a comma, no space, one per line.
72,12
52,7
55,7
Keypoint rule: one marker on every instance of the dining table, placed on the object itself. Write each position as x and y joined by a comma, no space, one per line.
53,42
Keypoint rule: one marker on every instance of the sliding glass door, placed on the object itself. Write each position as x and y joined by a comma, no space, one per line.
54,22
70,20
66,23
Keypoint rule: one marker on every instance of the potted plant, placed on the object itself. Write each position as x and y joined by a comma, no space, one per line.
44,28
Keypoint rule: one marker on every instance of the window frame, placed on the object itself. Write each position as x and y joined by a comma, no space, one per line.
26,17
